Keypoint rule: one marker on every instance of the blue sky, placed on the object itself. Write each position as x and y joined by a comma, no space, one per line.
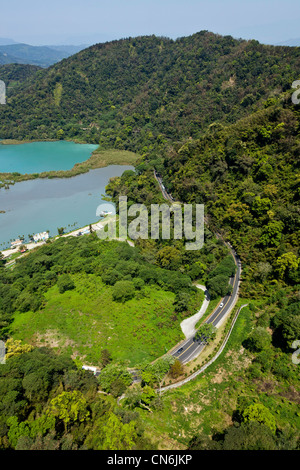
90,21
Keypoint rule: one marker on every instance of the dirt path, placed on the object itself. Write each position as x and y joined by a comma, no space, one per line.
188,324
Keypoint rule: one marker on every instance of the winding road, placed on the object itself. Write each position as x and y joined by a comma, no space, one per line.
190,348
188,324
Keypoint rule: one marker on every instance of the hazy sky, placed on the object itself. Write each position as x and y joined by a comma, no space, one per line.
90,21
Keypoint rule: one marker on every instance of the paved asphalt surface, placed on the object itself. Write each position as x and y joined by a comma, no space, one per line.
190,348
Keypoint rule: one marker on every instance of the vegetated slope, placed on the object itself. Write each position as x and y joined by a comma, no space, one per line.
247,175
119,299
14,74
8,59
47,403
142,93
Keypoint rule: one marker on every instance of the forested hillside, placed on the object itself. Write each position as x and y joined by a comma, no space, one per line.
142,93
247,176
13,74
214,117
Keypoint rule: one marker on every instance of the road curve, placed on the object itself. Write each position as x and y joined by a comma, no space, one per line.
202,369
190,348
188,324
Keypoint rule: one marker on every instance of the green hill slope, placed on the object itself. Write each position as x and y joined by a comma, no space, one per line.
13,74
142,93
247,176
214,116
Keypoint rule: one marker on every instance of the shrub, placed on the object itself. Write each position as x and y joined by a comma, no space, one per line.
176,369
123,290
65,283
258,340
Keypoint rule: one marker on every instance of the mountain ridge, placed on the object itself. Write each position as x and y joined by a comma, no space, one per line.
144,92
43,56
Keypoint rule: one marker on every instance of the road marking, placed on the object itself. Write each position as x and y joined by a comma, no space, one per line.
192,344
186,350
214,311
221,309
178,346
228,297
201,346
233,254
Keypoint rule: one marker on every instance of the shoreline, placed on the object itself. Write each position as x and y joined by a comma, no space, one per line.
20,142
99,158
74,233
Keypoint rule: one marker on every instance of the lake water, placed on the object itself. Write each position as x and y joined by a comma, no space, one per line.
36,157
45,204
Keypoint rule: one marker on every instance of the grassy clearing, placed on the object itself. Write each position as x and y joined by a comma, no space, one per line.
102,158
86,320
207,402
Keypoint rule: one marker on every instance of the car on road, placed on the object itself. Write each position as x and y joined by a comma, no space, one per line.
221,305
179,350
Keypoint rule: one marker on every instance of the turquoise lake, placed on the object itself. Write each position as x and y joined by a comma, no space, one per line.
36,157
39,205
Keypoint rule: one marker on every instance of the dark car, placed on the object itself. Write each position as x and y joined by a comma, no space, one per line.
179,350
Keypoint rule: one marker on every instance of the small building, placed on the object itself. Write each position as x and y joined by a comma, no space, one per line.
16,243
91,368
105,213
43,236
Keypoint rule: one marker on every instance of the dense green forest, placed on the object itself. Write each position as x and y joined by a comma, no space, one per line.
48,402
14,74
247,176
214,117
143,93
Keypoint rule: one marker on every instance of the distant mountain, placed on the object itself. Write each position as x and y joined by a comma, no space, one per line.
26,54
6,41
8,59
69,50
42,56
290,42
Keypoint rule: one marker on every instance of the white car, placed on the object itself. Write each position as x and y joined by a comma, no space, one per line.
221,305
